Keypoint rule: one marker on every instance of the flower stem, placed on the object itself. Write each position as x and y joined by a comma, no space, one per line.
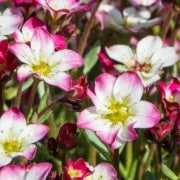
87,30
115,161
32,96
18,95
166,25
92,155
1,96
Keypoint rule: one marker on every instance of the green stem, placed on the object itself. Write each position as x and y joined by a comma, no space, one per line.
128,155
18,95
92,155
32,96
1,97
87,29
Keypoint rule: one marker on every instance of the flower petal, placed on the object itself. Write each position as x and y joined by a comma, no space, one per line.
22,52
165,57
42,44
64,60
128,86
12,172
33,133
28,152
4,160
89,119
39,171
12,120
23,72
61,80
121,53
147,115
104,86
147,47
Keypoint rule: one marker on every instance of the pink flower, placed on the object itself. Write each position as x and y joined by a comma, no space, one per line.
149,59
107,66
3,51
17,138
10,20
77,170
103,171
59,7
41,60
143,2
118,109
170,94
67,137
33,172
28,30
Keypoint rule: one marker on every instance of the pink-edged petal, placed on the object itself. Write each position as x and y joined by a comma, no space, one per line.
42,44
30,26
104,84
28,152
166,57
66,59
22,52
59,41
128,87
9,24
108,133
12,172
12,120
105,171
121,53
147,115
147,47
90,119
33,133
128,133
18,37
23,72
4,160
39,171
42,2
61,80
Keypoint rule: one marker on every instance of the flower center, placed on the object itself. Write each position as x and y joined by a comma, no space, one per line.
74,173
117,113
42,68
11,146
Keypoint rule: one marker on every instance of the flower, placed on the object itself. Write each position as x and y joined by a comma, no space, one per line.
28,30
149,59
103,171
130,20
33,172
170,94
10,20
41,60
59,7
118,109
143,2
77,170
67,137
17,138
3,51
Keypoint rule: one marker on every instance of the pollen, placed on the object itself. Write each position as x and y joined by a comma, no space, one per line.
11,146
42,68
117,113
74,173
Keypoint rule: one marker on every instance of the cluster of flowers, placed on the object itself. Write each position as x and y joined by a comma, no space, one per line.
41,51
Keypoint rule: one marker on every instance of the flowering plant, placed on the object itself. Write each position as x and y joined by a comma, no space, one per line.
89,89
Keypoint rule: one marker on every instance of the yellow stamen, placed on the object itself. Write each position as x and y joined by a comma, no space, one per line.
42,68
74,173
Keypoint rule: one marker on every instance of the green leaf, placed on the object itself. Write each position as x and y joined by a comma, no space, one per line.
168,172
91,57
43,102
45,116
97,143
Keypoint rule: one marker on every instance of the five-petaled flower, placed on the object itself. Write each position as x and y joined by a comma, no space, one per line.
17,138
149,59
41,59
21,172
118,109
